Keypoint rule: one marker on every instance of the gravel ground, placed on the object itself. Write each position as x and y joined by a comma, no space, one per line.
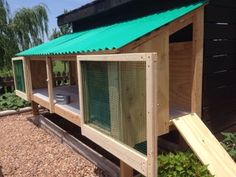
26,150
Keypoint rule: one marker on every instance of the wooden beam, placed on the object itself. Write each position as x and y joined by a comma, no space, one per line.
125,153
50,84
41,101
197,66
67,114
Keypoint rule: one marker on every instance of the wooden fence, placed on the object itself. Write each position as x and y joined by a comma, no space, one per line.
7,83
219,86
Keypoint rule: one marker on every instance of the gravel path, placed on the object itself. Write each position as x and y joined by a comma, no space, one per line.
26,150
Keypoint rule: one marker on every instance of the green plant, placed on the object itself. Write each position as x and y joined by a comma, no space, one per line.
6,72
229,143
9,101
181,164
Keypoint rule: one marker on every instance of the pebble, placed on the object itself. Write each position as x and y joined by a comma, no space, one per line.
26,150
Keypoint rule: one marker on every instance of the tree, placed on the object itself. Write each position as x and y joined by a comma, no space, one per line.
27,28
64,29
8,47
30,26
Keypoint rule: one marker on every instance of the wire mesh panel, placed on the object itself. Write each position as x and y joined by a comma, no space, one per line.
19,75
115,99
118,99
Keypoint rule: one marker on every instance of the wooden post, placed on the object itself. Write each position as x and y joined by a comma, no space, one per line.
197,67
152,104
35,109
125,170
50,84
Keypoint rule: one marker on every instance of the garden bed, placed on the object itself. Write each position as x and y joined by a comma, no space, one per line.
27,150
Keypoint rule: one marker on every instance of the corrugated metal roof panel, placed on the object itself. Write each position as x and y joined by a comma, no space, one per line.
109,37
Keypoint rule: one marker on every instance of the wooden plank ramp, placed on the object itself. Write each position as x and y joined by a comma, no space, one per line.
204,144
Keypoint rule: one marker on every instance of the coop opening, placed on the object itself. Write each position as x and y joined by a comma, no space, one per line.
180,67
65,84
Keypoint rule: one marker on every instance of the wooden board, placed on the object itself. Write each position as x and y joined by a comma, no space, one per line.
160,44
205,146
220,14
38,74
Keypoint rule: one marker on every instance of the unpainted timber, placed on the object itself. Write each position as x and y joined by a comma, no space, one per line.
204,144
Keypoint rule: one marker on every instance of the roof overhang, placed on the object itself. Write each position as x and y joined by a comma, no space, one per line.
90,9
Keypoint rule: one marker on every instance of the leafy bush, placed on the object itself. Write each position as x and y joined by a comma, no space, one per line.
6,72
181,164
229,143
9,101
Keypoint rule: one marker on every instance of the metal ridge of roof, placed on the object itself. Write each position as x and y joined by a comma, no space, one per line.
109,37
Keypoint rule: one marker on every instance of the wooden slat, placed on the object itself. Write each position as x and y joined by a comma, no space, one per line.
219,95
219,80
220,31
205,145
219,64
213,48
224,3
220,14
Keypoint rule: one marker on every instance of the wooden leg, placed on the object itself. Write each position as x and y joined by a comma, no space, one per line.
125,170
35,108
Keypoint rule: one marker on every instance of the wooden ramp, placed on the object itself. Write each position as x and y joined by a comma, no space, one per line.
205,146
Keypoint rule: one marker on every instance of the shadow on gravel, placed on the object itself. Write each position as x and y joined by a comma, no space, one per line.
1,175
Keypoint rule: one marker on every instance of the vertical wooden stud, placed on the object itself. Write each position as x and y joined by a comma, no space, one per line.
28,78
35,109
163,74
152,94
197,67
125,170
50,84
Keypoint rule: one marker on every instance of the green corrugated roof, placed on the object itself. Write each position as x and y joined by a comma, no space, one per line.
109,37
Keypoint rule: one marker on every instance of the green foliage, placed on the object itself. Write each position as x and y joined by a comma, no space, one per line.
9,101
60,66
229,143
181,164
6,72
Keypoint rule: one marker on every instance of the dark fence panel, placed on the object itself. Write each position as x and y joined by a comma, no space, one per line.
220,14
219,82
6,85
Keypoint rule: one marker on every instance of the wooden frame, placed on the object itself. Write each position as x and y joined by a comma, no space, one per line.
26,68
147,165
50,84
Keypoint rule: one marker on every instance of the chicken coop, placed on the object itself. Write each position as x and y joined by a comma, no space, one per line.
128,84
